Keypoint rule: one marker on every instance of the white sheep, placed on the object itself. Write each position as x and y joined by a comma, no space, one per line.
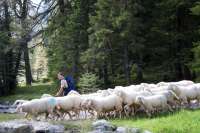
172,98
184,83
19,102
153,103
129,99
38,106
179,83
106,104
187,93
73,92
46,95
67,104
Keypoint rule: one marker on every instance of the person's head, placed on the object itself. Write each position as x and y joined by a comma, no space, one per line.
60,76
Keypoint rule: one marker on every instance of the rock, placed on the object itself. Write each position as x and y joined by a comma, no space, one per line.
146,131
128,130
100,123
7,109
24,126
102,126
135,130
13,127
45,127
121,130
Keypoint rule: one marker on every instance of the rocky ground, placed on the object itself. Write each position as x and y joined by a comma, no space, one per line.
25,126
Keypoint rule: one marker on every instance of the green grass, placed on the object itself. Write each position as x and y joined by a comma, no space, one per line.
83,126
30,92
184,121
7,117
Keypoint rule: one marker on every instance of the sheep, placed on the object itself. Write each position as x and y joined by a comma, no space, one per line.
179,83
162,84
67,104
19,102
187,93
85,107
104,93
84,104
160,88
106,104
38,106
46,95
72,92
129,99
148,97
170,95
184,83
151,103
110,90
145,85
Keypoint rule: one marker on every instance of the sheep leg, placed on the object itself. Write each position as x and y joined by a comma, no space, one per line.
106,115
35,117
26,115
60,114
78,113
185,102
57,114
91,112
126,110
85,117
173,103
132,111
98,114
120,114
198,99
168,107
70,116
148,113
46,115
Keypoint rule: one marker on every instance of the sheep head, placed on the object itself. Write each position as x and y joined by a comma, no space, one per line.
140,100
19,108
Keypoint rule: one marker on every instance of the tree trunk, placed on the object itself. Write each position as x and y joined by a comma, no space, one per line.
28,73
139,73
105,75
126,65
17,62
76,62
178,71
187,73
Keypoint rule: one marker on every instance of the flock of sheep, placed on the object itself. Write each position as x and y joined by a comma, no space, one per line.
117,102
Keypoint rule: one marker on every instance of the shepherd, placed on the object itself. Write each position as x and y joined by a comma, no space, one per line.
67,84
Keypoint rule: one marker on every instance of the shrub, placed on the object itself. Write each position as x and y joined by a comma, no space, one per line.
89,82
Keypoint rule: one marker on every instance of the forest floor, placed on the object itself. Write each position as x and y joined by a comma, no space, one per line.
182,121
30,92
